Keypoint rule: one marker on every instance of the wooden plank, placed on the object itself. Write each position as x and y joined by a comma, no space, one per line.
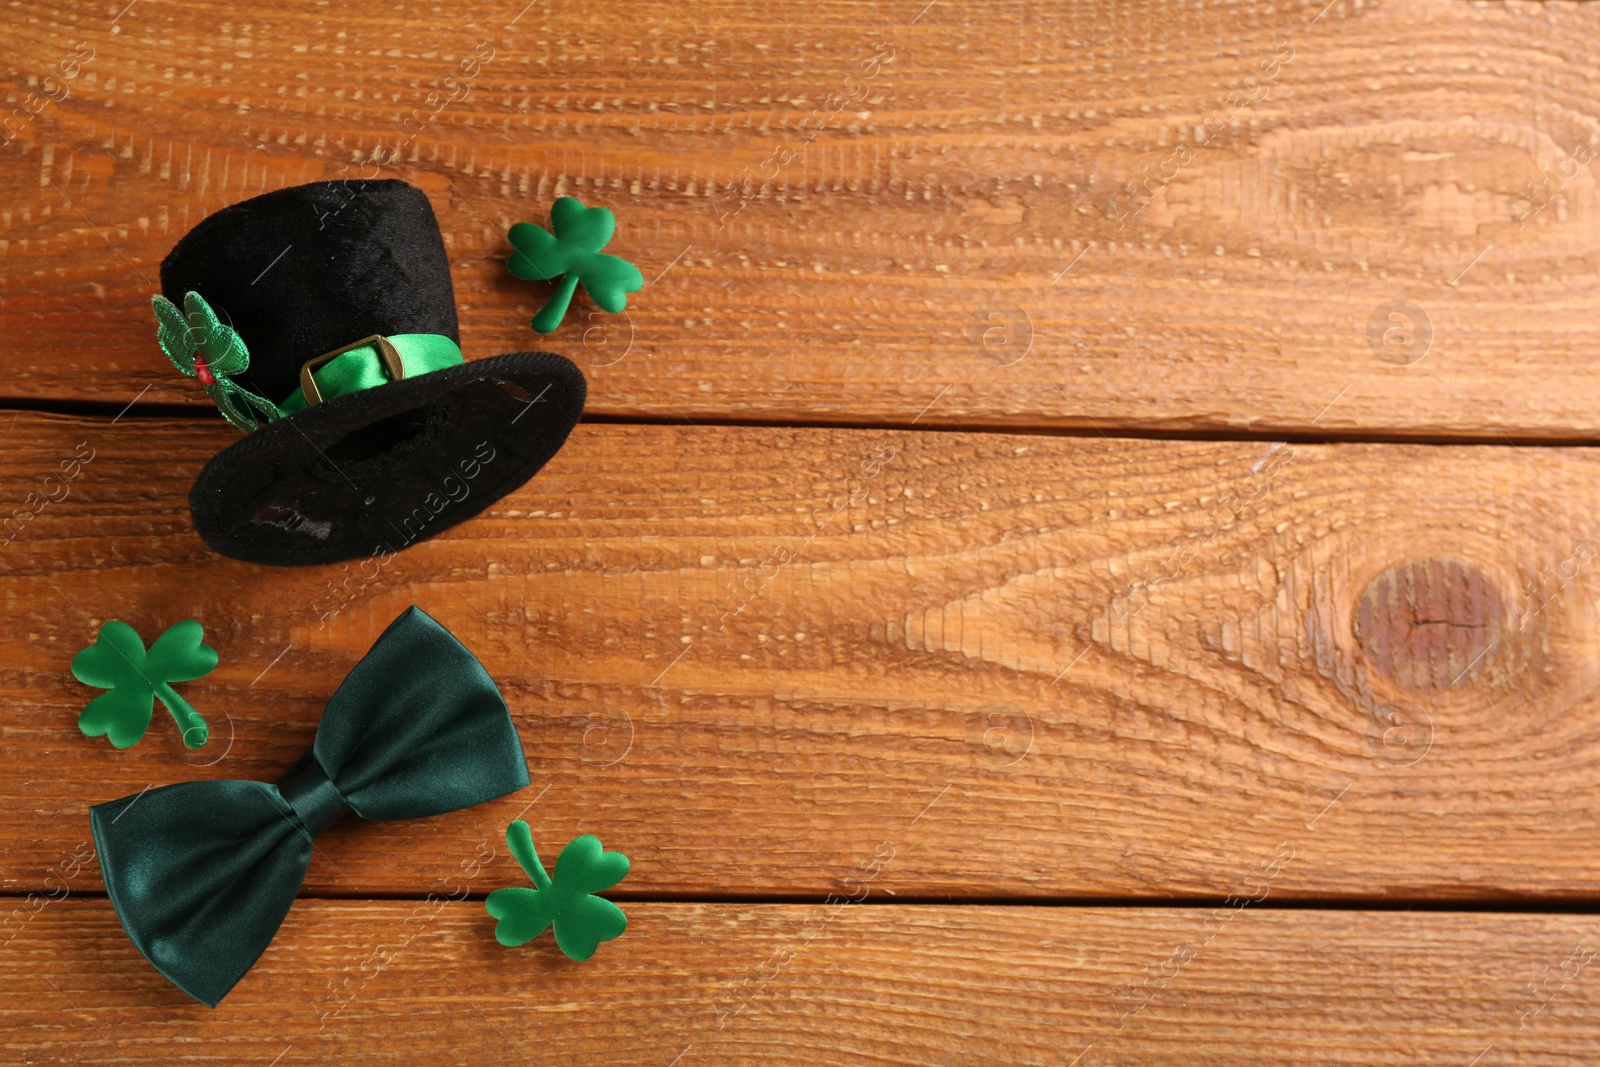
1035,667
404,982
1038,176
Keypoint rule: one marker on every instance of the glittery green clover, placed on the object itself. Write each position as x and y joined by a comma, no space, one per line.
572,251
117,661
567,901
202,347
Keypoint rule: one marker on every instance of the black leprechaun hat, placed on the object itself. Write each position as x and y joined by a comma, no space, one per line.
322,321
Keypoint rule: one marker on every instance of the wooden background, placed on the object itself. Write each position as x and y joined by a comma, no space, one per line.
1011,609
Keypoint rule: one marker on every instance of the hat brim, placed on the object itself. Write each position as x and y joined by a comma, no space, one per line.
368,474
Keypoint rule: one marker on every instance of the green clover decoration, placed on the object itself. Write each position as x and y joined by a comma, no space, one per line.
117,661
202,347
566,900
571,251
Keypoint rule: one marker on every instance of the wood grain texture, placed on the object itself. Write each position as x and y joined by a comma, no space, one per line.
395,982
1034,667
1146,236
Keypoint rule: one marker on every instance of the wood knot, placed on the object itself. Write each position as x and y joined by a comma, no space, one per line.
1429,624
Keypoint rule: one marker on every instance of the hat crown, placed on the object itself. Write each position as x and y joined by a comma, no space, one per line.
304,270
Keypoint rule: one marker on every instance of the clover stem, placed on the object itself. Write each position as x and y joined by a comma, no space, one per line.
520,840
555,309
540,878
195,730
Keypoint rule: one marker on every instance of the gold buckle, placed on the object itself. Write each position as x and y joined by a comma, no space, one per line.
393,365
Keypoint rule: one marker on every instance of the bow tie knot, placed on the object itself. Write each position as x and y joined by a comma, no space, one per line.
314,801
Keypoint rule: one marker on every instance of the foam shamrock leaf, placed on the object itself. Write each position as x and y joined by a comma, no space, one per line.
566,901
117,661
571,251
201,346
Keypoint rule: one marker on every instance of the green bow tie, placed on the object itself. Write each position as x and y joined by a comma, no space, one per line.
202,873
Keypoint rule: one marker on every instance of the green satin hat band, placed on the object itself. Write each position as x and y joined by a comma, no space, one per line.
362,368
